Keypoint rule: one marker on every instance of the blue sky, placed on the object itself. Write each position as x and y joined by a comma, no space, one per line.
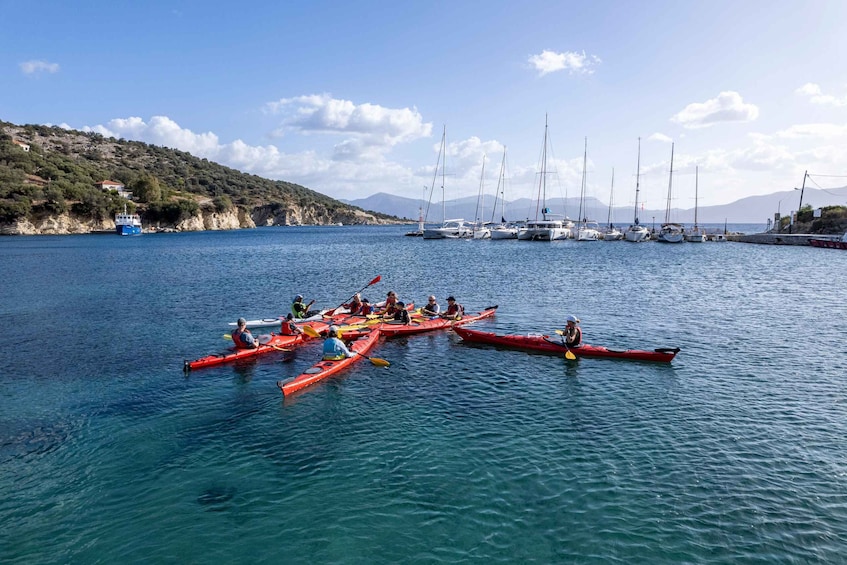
350,98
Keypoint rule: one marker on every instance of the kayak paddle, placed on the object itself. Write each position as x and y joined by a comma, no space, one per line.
310,331
568,354
375,360
329,313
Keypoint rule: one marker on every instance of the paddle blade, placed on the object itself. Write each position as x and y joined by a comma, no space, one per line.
310,331
379,362
376,280
569,355
227,336
559,332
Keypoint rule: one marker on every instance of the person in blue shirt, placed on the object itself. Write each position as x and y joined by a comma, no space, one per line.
242,338
432,308
334,348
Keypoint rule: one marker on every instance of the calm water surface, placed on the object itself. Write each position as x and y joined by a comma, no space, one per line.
734,453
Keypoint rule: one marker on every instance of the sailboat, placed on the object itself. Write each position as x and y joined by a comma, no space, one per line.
588,229
480,231
544,229
612,233
449,228
504,230
637,233
696,235
671,232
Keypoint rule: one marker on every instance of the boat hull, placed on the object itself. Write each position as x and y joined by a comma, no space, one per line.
325,368
553,345
828,243
429,324
637,234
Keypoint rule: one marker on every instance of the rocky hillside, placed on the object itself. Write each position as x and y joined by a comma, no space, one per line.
51,181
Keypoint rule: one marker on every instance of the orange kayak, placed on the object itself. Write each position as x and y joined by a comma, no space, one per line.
325,368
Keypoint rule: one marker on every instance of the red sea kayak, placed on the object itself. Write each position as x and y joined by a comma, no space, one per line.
324,369
276,343
554,345
281,341
420,325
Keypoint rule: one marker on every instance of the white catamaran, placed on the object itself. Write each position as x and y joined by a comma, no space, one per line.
545,229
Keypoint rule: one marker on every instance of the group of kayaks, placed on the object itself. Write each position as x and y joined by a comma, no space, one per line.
361,333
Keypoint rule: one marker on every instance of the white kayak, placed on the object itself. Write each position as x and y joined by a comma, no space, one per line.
268,322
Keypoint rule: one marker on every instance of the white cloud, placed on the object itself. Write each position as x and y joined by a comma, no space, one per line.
660,137
813,130
816,96
575,63
727,107
370,129
38,67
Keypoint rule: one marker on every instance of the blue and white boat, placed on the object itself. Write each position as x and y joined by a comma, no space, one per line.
127,224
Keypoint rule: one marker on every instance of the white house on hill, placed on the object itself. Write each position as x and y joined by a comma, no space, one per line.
107,185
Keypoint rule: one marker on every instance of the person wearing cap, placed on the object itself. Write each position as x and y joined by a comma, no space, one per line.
572,333
432,308
301,310
401,315
366,308
335,349
289,327
242,338
454,309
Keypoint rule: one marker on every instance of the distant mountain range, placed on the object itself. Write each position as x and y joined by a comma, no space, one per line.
749,210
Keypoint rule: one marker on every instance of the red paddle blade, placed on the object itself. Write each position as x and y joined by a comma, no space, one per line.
376,280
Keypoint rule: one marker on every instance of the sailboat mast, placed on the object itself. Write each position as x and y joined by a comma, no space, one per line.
611,199
501,186
542,186
443,174
670,188
637,181
696,190
582,189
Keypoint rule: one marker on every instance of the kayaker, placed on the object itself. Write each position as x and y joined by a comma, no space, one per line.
289,327
573,333
390,303
241,336
301,310
432,308
334,348
454,309
355,305
366,309
401,315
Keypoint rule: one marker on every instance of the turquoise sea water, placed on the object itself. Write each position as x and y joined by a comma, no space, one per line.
734,453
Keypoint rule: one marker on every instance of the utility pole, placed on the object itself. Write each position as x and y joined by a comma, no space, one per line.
801,192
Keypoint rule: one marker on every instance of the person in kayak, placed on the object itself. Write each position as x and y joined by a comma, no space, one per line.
366,309
390,304
242,338
401,315
289,327
301,310
334,348
355,305
432,308
573,333
454,309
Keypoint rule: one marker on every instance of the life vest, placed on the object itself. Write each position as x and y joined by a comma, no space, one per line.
298,309
237,339
288,328
577,337
367,309
454,310
354,307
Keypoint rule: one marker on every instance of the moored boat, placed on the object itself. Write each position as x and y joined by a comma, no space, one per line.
269,322
429,324
636,233
555,346
127,224
325,368
830,243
